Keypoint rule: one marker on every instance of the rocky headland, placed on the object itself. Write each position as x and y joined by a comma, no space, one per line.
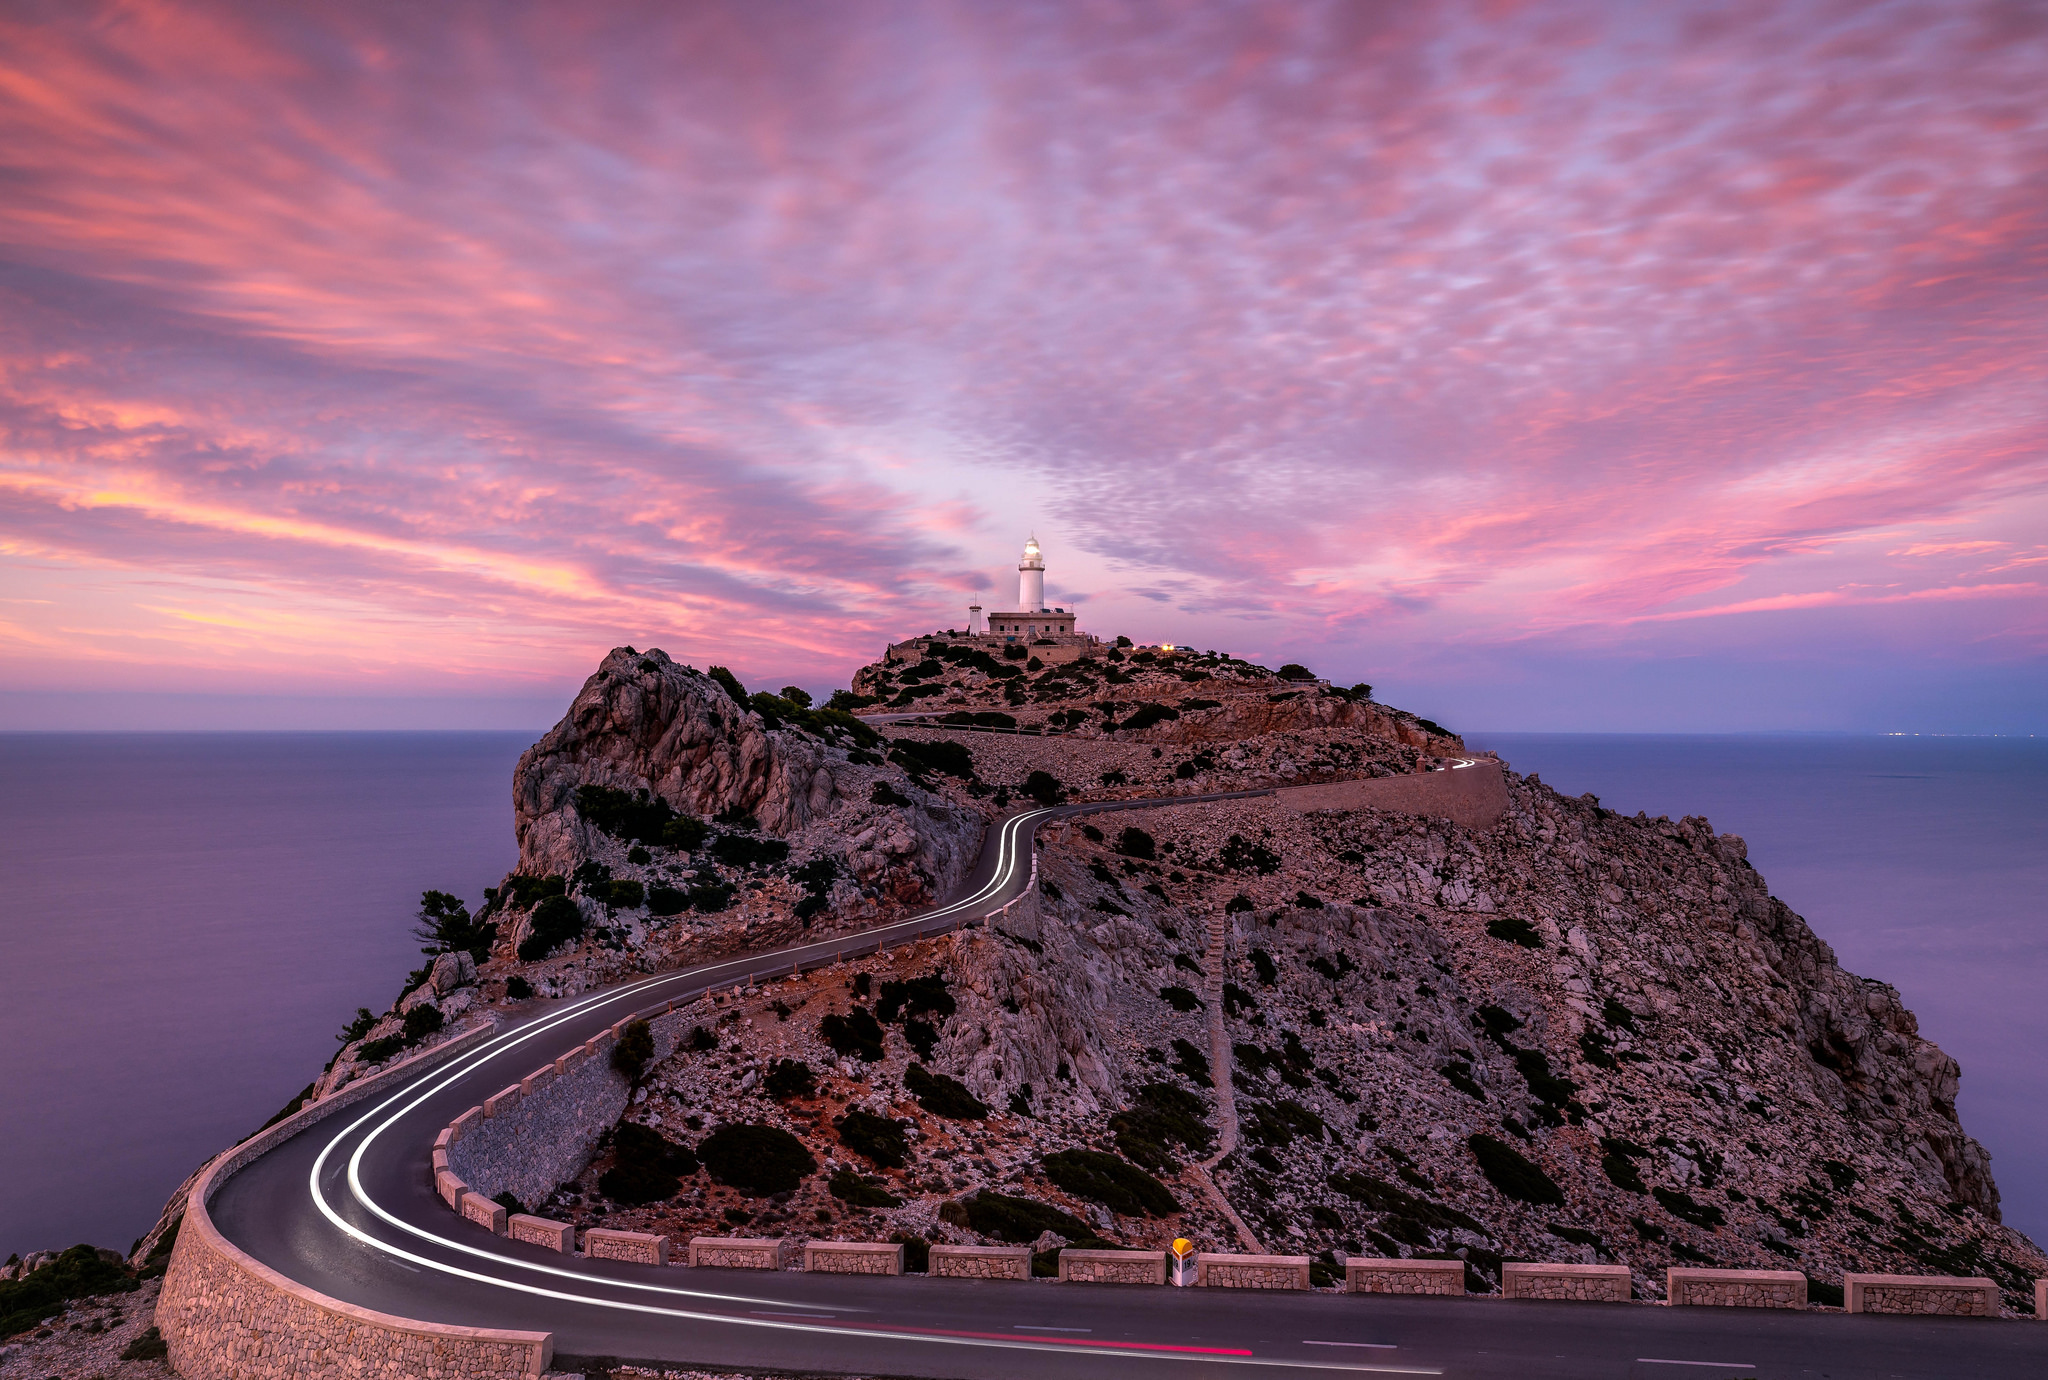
1571,1036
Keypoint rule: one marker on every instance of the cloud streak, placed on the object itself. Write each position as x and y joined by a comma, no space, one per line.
435,350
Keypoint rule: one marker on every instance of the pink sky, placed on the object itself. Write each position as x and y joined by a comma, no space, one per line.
1549,366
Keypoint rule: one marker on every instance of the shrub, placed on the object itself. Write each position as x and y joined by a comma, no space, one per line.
636,817
922,758
1240,854
359,1027
1294,670
729,682
1044,787
1148,714
522,891
846,701
879,1138
1180,998
377,1051
1237,904
422,1021
917,1253
709,898
555,921
625,895
517,988
1513,1175
798,696
755,1160
634,1049
858,1191
663,899
647,1166
1111,1180
943,1096
856,1035
149,1345
684,833
1621,1172
789,1078
886,794
1827,1295
1685,1209
1018,1220
1191,1064
745,851
922,996
1134,842
1515,930
1161,1115
76,1273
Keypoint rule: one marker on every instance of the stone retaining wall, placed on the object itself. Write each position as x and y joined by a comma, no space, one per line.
854,1257
980,1262
1113,1267
1222,1270
1946,1295
634,1247
1578,1283
2041,1299
742,1252
1474,796
526,1144
1687,1288
227,1316
1366,1276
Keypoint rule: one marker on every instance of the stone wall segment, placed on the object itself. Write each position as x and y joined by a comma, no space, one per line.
741,1252
1112,1267
1938,1295
1228,1270
980,1262
227,1316
541,1231
634,1247
1695,1288
1363,1275
1520,1279
1474,796
854,1257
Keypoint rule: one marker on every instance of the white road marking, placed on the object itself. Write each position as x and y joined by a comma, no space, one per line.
1376,1346
1723,1365
1028,1327
816,1317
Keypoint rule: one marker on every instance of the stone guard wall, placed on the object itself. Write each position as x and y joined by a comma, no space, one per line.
1113,1267
1578,1283
1688,1288
980,1262
1475,796
1218,1270
1941,1295
227,1316
1363,1275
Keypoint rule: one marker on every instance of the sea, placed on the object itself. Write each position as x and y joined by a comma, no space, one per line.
187,920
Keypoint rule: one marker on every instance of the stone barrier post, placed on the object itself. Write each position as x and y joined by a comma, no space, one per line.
1520,1279
1369,1276
1943,1295
980,1262
1112,1267
1688,1288
1221,1270
637,1247
854,1257
539,1231
741,1252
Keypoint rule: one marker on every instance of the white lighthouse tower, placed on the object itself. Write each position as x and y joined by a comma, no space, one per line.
1031,578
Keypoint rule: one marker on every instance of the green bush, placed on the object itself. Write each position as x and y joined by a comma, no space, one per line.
742,850
663,899
647,1166
445,926
943,1096
634,1048
1294,670
1515,930
755,1160
1240,854
885,794
684,833
709,898
1513,1175
1134,842
522,891
878,1138
1111,1180
359,1027
1685,1209
922,758
1621,1172
1180,998
517,988
149,1345
1161,1115
856,1035
858,1191
76,1273
377,1051
420,1022
729,682
846,701
922,996
633,816
1019,1220
789,1078
556,921
1148,714
1045,788
625,895
917,1253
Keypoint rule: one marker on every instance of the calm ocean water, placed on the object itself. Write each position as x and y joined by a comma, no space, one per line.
189,918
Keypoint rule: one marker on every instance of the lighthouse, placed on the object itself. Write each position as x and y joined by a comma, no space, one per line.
1031,578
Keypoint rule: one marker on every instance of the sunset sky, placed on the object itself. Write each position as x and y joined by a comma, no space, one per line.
1549,366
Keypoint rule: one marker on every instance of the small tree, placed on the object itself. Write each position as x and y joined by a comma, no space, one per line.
1044,787
634,1049
1294,670
730,682
797,695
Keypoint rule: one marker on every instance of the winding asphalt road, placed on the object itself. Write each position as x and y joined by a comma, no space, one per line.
346,1208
